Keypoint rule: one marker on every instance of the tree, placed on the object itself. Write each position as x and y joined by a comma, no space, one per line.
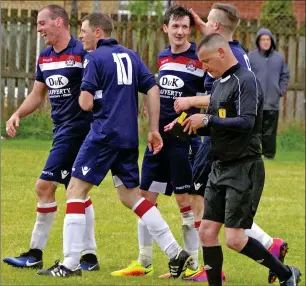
146,7
278,16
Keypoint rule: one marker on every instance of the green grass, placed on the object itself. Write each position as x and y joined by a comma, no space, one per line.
281,213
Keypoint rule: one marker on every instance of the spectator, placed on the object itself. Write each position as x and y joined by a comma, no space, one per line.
271,71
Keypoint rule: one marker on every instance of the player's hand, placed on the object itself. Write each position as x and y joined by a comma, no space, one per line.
199,23
193,123
12,124
169,126
182,104
155,142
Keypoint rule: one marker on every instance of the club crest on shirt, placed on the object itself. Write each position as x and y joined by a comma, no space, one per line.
222,113
191,65
70,61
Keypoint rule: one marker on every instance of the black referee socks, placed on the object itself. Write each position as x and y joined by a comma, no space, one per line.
213,260
255,250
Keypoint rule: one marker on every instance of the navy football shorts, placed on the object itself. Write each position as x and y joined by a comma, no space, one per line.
169,170
95,160
201,168
61,158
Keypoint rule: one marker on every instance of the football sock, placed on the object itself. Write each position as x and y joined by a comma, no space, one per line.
213,260
157,226
256,251
44,220
74,230
89,238
197,225
257,233
145,243
190,235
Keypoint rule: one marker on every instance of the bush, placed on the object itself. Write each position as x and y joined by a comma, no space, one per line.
291,137
278,16
37,125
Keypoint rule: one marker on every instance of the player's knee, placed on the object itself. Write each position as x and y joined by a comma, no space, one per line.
150,196
77,189
207,234
183,200
45,190
233,242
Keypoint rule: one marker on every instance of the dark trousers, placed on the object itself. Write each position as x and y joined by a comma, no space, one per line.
269,130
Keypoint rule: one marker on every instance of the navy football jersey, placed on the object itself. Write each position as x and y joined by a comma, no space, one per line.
62,73
240,55
180,75
114,74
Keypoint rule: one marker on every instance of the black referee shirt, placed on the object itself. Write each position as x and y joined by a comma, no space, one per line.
236,121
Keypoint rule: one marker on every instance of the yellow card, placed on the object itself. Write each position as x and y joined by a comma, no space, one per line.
182,117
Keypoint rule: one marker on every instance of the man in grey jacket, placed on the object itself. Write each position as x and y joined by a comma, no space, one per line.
271,71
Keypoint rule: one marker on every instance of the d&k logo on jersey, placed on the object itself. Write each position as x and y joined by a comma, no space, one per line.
171,82
56,81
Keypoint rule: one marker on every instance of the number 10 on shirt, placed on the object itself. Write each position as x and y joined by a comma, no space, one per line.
124,75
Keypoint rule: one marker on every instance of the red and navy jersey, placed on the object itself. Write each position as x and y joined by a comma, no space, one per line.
62,73
114,74
241,57
180,75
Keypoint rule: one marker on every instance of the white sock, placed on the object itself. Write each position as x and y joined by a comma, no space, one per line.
145,243
44,220
157,227
190,235
257,233
90,245
74,231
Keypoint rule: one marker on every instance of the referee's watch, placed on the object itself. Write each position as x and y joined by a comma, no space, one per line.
205,120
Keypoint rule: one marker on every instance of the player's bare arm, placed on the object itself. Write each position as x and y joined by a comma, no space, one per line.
155,141
199,23
193,123
29,105
86,100
185,103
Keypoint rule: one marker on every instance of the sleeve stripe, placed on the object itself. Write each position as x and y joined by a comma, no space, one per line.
257,96
239,96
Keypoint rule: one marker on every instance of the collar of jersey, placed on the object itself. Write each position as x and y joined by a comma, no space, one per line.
106,42
193,48
234,42
70,45
231,70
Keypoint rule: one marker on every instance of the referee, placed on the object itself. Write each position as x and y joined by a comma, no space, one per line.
234,188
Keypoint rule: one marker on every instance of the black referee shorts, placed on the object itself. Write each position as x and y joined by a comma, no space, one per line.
233,192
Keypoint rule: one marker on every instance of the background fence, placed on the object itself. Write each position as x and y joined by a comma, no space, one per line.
21,46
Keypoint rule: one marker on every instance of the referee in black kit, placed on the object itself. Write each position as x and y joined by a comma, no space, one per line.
234,188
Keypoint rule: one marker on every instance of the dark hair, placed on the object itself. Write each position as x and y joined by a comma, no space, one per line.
231,13
58,11
100,20
178,12
211,40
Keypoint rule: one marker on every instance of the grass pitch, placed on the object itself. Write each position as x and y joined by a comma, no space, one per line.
281,214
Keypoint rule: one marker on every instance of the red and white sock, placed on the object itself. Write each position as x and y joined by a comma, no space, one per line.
157,227
44,220
90,245
74,231
190,235
197,225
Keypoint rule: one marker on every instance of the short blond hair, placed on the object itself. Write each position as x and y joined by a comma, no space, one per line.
231,17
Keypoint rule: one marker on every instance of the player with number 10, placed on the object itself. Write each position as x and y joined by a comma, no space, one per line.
112,77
